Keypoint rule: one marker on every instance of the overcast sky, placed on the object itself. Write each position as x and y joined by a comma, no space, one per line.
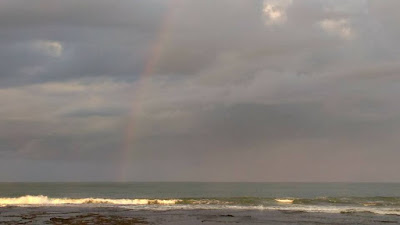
190,90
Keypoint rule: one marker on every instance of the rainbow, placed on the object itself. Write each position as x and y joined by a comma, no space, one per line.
156,51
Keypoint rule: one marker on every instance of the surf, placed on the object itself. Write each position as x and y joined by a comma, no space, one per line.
286,201
45,200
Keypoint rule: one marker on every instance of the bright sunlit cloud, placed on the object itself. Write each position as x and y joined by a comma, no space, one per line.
275,11
340,27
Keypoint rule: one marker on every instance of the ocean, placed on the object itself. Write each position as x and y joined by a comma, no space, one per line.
374,198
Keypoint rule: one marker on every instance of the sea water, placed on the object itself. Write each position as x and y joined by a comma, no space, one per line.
377,198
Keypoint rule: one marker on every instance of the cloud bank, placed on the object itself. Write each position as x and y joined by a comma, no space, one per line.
238,90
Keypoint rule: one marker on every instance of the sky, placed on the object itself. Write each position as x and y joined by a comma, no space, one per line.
188,90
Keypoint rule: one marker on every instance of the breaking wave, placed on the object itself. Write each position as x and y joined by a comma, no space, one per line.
376,205
44,200
284,200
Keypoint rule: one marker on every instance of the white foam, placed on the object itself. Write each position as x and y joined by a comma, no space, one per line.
286,201
311,209
165,204
336,209
44,200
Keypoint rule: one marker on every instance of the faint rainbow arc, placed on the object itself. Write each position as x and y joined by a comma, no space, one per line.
151,62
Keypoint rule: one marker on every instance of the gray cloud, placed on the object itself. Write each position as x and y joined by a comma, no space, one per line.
306,89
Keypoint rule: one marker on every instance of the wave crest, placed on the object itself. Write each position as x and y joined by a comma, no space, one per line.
284,200
44,200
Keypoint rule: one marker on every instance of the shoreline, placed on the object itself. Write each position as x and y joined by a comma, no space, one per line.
72,215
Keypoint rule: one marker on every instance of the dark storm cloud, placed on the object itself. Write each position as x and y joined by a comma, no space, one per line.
96,39
22,14
238,88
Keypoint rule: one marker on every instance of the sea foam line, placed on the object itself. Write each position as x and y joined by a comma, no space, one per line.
285,200
305,209
44,200
162,204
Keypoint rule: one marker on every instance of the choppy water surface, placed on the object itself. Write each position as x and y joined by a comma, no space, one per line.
379,198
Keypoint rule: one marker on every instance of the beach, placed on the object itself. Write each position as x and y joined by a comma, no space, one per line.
121,216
